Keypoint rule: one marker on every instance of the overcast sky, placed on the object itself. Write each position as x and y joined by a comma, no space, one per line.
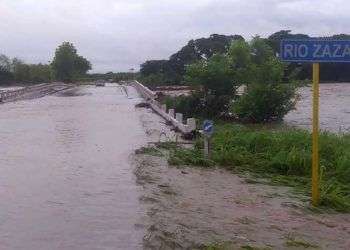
116,35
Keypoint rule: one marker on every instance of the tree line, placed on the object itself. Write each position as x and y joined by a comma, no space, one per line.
270,88
67,65
172,71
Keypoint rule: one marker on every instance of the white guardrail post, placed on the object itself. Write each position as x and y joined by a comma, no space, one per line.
176,119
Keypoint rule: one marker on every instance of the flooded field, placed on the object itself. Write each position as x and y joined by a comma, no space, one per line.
66,181
334,108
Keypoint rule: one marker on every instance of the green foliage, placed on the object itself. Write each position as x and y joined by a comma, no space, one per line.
67,65
5,75
215,77
109,77
153,67
5,63
5,69
292,241
240,60
32,73
284,155
18,71
268,97
189,106
148,151
173,70
187,157
265,103
154,80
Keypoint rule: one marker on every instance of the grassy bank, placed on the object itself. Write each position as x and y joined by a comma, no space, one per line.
283,155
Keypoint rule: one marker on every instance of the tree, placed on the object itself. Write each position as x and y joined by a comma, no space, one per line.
268,96
5,75
40,73
5,62
174,69
67,65
215,77
265,102
239,56
21,71
5,69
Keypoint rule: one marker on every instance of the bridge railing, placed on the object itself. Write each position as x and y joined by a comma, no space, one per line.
176,119
19,93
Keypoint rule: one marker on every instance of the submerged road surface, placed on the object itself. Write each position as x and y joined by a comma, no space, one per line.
66,181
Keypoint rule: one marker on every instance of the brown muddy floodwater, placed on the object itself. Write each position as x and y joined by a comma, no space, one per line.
334,108
66,181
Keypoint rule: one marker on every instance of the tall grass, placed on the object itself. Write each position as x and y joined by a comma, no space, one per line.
284,153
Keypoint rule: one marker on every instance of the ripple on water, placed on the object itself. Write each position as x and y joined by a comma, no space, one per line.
65,176
334,108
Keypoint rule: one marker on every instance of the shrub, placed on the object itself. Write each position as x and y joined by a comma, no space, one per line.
189,106
264,103
215,76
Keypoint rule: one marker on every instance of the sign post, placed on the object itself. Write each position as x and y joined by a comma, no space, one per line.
315,51
315,134
208,130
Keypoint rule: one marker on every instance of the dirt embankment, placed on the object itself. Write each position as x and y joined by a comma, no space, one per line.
189,208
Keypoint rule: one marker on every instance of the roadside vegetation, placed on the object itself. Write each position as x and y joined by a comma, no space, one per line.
279,154
67,66
172,71
270,90
283,155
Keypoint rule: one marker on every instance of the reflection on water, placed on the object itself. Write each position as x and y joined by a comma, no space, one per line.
65,176
334,108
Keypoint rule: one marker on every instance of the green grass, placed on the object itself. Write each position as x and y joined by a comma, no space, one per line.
283,155
292,241
230,246
149,151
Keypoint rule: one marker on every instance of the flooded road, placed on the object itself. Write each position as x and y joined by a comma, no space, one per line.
66,181
334,108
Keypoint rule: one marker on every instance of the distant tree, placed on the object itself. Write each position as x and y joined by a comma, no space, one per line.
67,65
40,73
153,67
5,75
5,62
199,49
173,70
5,69
81,66
275,39
21,71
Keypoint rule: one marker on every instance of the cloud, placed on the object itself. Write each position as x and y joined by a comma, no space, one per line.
116,35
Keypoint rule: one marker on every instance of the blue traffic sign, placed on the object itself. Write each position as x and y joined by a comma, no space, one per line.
315,51
208,127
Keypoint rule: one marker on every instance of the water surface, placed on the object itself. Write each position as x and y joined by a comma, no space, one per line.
66,181
334,108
